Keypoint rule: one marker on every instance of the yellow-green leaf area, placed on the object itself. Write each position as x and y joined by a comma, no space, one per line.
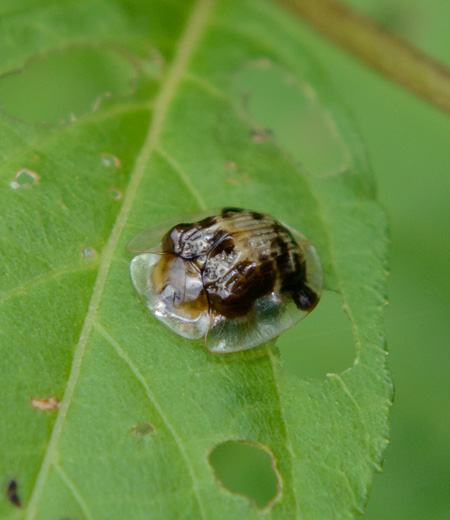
227,108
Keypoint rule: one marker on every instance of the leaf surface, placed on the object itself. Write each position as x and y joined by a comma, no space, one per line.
225,107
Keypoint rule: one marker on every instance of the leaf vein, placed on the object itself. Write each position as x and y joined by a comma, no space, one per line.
176,166
25,287
54,134
151,396
186,45
332,469
355,403
207,86
286,433
74,490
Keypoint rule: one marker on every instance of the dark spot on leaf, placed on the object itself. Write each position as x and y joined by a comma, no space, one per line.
11,493
249,469
142,430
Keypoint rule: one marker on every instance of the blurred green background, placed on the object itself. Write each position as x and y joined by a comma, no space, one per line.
409,145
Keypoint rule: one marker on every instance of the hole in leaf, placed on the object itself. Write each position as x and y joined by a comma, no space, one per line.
12,494
142,430
297,120
47,404
60,86
248,469
321,343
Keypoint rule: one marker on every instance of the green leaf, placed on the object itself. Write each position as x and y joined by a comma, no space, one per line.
224,106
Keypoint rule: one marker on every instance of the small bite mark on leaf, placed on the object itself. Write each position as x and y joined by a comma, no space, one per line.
88,252
99,100
235,175
264,63
115,193
156,62
11,493
249,469
142,430
260,135
110,161
24,178
47,404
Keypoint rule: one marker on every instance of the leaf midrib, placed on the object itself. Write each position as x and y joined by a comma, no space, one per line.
186,46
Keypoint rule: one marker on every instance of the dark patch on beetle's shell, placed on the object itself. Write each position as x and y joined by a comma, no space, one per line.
305,298
174,280
256,215
242,255
191,240
235,294
228,210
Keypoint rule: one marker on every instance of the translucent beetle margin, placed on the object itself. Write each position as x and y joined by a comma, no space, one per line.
233,276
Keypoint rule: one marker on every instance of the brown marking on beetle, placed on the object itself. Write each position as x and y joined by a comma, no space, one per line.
11,493
228,276
48,404
305,298
190,241
230,210
170,284
248,256
234,295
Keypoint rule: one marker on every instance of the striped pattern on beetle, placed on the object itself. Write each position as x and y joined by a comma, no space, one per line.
237,277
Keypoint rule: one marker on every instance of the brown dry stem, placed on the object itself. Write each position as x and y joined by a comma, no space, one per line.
378,47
